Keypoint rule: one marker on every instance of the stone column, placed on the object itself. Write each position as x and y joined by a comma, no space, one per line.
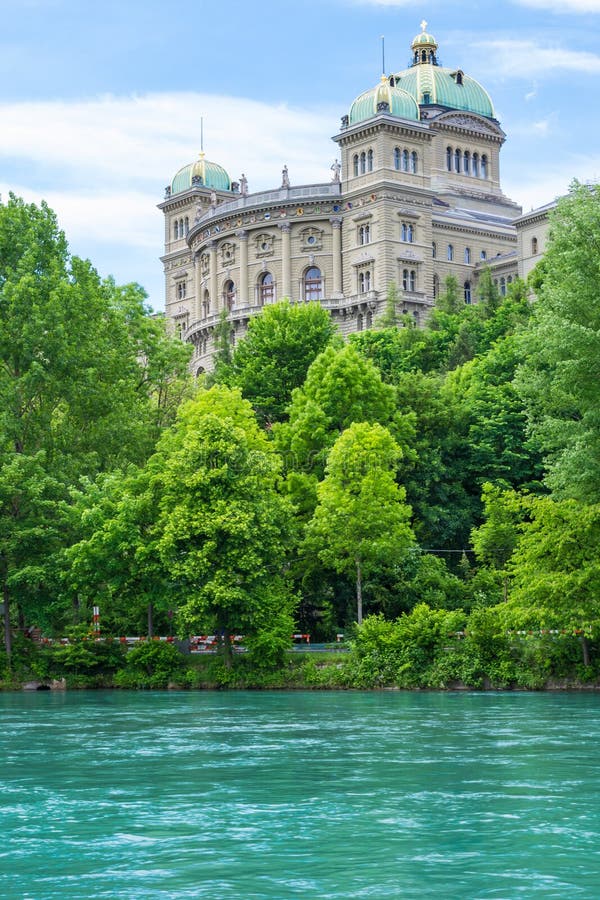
286,260
243,291
214,299
336,226
197,286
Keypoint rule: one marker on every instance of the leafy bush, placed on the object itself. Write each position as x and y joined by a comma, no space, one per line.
151,664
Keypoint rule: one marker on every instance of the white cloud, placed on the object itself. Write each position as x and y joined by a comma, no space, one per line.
563,6
148,138
542,127
103,164
526,59
533,189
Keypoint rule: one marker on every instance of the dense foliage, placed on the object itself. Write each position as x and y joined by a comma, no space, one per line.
430,492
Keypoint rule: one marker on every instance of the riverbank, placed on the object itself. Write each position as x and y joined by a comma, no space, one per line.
301,672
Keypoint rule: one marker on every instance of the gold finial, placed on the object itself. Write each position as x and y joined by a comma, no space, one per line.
423,25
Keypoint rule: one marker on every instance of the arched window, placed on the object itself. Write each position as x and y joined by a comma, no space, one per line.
534,245
509,280
503,286
229,294
484,166
467,255
265,288
369,319
475,165
413,162
175,229
483,256
450,253
405,160
424,56
370,161
363,163
364,282
449,155
426,98
364,234
433,249
436,287
407,233
409,279
181,290
187,224
205,304
313,284
466,162
457,156
181,232
467,288
397,158
359,322
355,164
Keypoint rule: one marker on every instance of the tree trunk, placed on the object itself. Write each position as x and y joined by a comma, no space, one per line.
585,649
359,610
76,609
7,631
150,620
227,651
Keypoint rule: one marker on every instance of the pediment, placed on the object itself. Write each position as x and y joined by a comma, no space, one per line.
470,121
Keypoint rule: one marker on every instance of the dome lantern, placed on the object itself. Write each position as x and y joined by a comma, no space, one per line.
424,48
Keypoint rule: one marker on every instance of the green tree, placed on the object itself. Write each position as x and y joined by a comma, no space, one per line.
116,562
561,350
341,387
449,300
361,521
555,568
224,527
275,355
389,317
78,390
495,540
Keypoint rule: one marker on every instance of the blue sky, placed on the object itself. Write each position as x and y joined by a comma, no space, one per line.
100,103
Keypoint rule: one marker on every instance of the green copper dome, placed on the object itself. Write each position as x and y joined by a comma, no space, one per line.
429,83
383,98
210,175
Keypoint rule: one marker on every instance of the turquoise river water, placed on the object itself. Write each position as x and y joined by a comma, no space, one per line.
314,795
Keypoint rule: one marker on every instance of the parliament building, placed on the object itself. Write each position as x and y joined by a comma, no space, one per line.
415,197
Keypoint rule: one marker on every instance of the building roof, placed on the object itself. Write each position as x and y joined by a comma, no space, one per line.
384,97
432,84
203,173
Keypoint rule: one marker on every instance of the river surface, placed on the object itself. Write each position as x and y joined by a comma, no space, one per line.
314,795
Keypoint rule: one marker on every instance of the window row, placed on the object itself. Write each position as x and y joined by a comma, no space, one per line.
468,163
467,255
466,289
180,228
362,162
406,161
312,289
